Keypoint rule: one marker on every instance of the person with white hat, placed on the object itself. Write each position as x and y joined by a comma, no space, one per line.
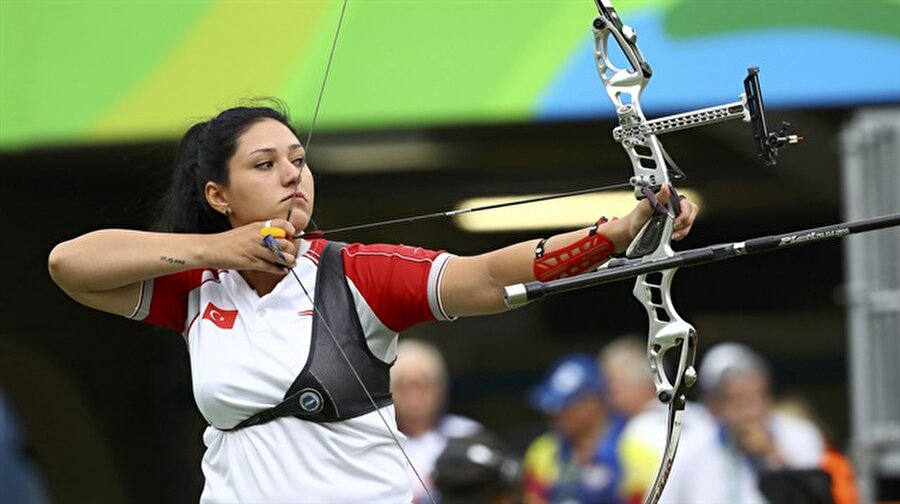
750,441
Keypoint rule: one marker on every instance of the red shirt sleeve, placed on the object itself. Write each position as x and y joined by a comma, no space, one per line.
393,279
167,301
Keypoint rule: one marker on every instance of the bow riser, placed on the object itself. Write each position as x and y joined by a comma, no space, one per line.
667,331
650,169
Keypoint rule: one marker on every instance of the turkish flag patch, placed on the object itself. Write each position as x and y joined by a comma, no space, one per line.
222,318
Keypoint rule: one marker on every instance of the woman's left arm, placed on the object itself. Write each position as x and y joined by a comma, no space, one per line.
473,285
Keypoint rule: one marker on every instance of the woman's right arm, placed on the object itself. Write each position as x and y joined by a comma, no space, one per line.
104,269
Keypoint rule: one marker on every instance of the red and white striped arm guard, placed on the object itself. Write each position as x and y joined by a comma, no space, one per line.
574,258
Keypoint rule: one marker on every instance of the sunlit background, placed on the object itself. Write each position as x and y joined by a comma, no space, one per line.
433,106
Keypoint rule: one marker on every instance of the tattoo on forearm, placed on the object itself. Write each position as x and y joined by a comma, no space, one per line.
171,260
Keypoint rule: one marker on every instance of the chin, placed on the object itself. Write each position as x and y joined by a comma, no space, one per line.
300,222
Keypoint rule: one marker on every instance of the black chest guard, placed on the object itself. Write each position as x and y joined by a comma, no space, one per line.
326,390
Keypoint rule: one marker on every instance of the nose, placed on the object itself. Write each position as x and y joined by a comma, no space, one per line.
292,173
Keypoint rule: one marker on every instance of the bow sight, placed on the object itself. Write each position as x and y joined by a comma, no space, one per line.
767,143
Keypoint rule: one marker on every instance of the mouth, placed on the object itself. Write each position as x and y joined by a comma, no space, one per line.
295,196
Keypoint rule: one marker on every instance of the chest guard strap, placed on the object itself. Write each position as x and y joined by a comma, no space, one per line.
326,390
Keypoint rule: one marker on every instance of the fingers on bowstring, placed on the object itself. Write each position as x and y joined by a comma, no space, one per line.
288,228
264,259
278,252
286,252
286,245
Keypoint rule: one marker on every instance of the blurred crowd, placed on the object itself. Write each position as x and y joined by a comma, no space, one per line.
607,430
605,437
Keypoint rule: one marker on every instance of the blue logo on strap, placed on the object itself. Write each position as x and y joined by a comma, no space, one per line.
310,400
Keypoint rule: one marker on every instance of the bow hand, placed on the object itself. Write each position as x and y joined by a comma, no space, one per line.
646,222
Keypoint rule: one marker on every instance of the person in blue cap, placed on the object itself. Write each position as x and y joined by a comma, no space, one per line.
576,461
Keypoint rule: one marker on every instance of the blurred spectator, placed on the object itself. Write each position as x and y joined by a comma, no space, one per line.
419,388
478,469
20,479
751,446
632,394
838,467
576,461
630,390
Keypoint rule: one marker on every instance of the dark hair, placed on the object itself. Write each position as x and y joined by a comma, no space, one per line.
202,156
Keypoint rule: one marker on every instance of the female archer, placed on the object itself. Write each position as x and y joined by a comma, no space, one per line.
291,374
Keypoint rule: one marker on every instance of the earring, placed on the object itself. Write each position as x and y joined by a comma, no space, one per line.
227,212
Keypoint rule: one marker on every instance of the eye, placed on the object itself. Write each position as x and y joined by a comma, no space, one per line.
264,164
299,162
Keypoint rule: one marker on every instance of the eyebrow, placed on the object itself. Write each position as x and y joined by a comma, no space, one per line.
273,149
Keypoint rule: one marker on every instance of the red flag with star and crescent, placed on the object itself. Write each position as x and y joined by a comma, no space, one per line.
219,316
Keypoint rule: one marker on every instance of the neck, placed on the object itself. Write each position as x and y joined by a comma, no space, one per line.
584,443
416,426
648,403
260,281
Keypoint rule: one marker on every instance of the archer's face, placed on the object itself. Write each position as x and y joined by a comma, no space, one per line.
263,173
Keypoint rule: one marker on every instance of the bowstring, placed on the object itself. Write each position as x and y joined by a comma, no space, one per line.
315,117
317,310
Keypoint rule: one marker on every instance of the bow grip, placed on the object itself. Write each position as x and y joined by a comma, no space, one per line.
648,239
651,234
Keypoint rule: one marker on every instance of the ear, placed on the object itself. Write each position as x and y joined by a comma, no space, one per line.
217,198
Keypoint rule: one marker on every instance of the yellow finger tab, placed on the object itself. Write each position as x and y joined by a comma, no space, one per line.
273,232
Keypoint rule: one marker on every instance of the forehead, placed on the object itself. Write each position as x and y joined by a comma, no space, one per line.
744,383
266,133
413,367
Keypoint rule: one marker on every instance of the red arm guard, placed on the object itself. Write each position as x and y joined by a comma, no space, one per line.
574,258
